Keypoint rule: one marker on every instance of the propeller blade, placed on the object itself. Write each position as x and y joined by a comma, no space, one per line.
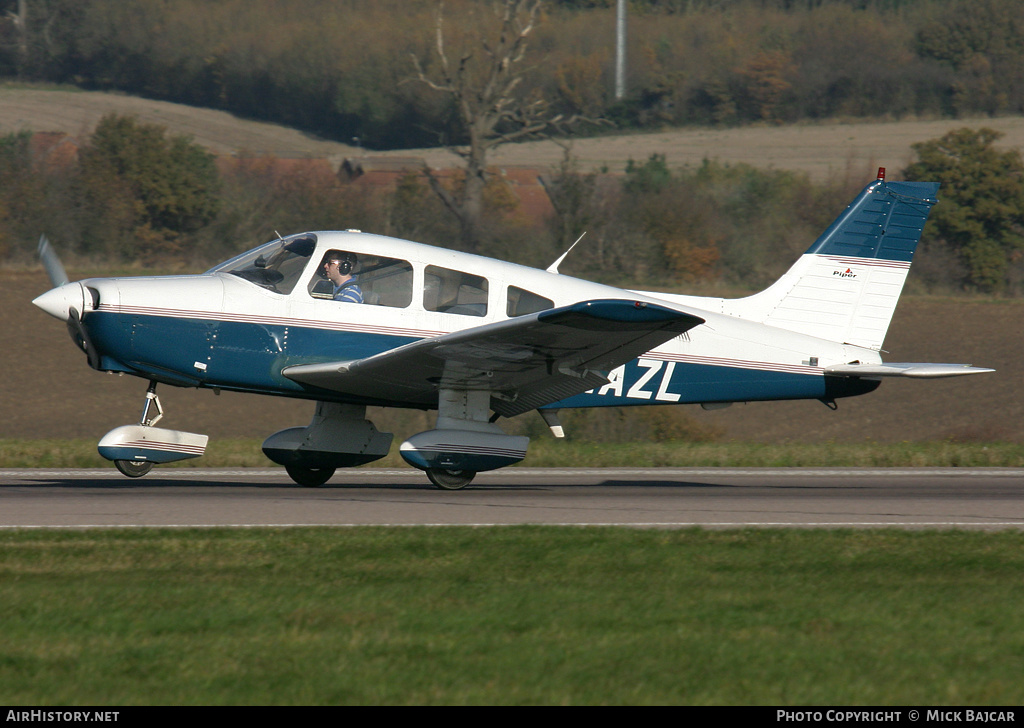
51,263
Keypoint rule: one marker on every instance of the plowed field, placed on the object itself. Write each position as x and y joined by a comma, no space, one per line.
820,150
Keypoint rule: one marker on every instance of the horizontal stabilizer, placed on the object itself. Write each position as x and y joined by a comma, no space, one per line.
904,369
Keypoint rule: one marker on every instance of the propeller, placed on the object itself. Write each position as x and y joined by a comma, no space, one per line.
65,297
66,301
51,263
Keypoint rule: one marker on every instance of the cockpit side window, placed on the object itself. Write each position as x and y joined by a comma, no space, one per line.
521,302
382,281
452,291
275,266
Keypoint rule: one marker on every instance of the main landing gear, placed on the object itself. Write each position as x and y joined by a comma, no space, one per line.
450,479
464,442
339,436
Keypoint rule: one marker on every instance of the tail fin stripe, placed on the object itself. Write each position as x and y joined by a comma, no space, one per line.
874,262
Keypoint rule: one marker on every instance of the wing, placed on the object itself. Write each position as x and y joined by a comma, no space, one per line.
904,369
525,362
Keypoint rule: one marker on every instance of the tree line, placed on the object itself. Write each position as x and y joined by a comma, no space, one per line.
343,69
135,195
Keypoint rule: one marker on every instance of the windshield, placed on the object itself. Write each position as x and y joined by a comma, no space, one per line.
275,266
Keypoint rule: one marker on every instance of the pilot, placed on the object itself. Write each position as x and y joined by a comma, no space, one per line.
338,267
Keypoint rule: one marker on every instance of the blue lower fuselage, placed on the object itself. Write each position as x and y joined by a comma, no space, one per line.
250,357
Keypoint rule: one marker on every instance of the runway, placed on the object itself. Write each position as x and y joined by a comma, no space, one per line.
990,498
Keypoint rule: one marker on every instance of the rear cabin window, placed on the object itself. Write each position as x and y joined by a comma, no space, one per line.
522,302
452,291
382,281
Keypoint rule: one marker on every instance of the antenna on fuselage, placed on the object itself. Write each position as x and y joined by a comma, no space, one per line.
553,268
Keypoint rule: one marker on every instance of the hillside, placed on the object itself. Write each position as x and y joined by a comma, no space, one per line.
820,150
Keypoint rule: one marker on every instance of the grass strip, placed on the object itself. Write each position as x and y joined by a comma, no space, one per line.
519,615
242,453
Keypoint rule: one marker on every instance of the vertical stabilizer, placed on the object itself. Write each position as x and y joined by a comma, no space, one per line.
846,286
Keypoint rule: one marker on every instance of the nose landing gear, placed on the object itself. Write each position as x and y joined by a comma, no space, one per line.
135,449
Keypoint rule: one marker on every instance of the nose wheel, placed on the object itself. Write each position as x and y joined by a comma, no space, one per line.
133,468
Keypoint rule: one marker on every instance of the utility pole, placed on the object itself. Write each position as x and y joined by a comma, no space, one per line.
20,21
620,50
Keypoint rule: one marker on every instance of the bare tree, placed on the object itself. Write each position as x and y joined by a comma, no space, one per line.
19,21
32,31
485,87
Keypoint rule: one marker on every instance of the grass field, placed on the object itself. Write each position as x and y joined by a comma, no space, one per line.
522,615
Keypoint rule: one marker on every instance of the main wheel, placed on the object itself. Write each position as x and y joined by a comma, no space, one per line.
309,477
133,468
450,479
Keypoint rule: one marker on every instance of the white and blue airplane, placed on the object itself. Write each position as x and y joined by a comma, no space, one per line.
479,339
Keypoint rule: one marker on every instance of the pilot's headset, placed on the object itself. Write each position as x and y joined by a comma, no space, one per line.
347,263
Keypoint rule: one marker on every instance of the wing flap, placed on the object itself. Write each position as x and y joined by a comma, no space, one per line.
525,362
905,369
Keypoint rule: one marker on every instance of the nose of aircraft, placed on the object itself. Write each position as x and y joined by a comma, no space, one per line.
59,301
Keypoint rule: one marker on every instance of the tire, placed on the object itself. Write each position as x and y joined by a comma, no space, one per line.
309,477
450,479
133,468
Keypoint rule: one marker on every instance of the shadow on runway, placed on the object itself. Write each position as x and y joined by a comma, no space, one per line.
675,484
211,482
